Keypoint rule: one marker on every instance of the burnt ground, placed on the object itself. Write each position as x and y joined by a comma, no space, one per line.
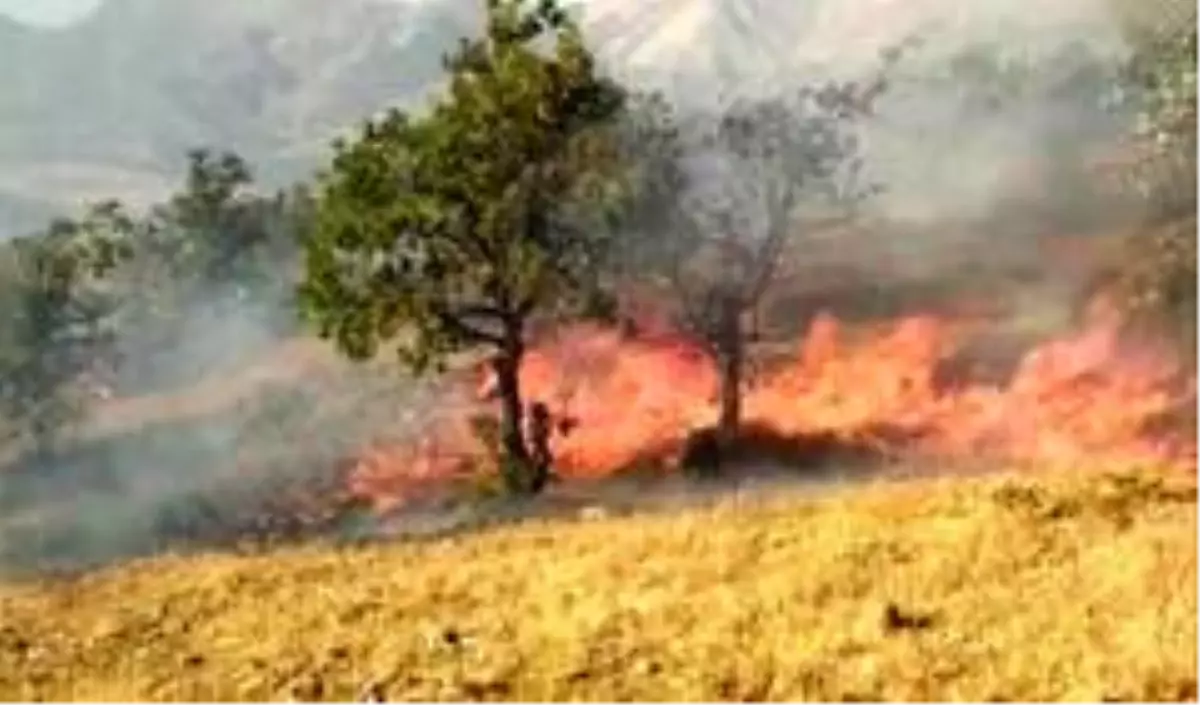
597,499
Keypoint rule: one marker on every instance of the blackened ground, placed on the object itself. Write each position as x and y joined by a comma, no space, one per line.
745,480
82,535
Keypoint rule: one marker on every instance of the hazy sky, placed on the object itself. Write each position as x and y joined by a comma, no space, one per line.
47,12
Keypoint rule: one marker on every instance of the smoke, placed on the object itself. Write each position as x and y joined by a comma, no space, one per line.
222,424
973,169
754,484
943,146
983,144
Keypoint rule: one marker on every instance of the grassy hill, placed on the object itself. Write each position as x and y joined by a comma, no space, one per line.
1073,586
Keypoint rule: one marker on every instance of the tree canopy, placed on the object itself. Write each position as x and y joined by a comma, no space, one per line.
1155,281
439,232
728,193
57,321
78,296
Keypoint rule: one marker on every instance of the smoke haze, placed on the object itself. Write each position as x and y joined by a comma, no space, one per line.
962,170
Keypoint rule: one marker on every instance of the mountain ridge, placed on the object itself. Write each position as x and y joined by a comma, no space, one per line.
274,82
126,91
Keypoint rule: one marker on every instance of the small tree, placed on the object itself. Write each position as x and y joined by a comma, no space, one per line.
214,250
217,231
742,186
451,230
57,307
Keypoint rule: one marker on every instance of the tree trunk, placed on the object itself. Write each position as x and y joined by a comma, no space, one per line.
729,364
730,355
515,460
729,426
511,413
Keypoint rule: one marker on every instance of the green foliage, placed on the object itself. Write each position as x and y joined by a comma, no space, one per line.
1162,81
453,229
216,248
127,95
216,233
486,432
56,314
221,233
1156,285
448,230
1156,278
74,296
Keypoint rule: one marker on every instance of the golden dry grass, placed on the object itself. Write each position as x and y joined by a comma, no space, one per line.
1064,587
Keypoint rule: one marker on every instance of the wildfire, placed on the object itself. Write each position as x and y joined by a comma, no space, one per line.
1086,397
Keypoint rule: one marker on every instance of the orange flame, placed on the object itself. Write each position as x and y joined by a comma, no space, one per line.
1090,396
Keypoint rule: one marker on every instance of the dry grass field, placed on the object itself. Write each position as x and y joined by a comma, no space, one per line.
1014,587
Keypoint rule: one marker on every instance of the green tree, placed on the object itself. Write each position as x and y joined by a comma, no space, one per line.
451,230
57,305
1154,274
218,232
1161,85
217,247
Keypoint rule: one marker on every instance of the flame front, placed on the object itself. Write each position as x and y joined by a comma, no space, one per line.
1087,397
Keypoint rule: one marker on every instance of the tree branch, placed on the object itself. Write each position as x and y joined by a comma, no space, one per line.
455,321
769,255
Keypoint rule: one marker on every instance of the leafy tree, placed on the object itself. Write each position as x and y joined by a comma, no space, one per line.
216,247
1155,280
57,305
451,230
1161,85
216,231
220,231
741,186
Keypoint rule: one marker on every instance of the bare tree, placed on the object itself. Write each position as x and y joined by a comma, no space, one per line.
748,181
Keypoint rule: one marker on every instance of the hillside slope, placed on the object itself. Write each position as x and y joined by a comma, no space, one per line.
272,80
275,80
1065,587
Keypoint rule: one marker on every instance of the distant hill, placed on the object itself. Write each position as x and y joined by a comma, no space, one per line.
109,106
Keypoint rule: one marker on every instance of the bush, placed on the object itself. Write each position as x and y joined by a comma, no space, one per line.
1154,282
